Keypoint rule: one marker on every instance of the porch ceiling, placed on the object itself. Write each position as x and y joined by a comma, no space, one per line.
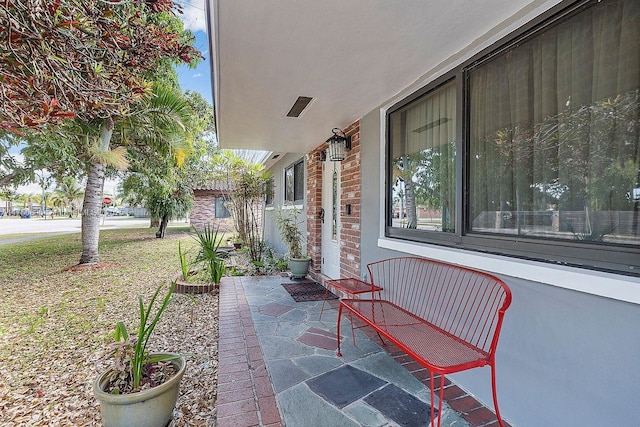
350,56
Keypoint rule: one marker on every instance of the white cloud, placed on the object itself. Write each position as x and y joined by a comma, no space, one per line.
18,157
193,15
197,75
29,189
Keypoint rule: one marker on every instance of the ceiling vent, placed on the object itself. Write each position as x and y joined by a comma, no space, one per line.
298,107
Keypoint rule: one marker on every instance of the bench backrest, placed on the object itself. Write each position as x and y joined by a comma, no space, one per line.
466,303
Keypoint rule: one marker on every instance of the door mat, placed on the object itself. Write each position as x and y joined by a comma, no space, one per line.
307,291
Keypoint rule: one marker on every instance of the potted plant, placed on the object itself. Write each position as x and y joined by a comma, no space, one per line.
237,242
141,388
288,224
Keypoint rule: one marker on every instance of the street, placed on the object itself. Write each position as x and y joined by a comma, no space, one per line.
44,227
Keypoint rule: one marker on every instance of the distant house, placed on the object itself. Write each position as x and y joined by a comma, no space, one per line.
210,207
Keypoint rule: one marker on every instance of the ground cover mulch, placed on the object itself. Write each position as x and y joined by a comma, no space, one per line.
56,323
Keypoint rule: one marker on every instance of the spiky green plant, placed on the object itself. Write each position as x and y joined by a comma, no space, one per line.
146,326
184,265
210,241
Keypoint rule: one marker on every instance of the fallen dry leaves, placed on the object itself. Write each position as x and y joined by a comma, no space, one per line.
55,323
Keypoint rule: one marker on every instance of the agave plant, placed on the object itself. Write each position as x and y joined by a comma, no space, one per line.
210,241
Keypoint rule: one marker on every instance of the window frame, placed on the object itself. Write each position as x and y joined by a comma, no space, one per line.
606,257
293,167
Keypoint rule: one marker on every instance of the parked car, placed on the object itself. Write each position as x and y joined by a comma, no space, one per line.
114,211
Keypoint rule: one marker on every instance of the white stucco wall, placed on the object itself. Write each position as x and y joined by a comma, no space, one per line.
271,233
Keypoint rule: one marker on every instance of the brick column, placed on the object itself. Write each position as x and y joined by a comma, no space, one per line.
350,178
350,183
314,204
203,210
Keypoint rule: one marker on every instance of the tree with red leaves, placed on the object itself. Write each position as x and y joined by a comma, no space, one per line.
77,58
92,60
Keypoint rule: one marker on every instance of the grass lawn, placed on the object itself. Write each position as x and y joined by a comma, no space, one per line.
55,322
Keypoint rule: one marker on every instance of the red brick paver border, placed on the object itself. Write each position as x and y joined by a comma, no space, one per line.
245,394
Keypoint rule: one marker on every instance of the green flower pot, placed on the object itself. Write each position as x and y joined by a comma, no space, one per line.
299,267
148,408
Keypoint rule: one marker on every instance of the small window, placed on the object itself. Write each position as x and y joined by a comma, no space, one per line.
221,209
294,182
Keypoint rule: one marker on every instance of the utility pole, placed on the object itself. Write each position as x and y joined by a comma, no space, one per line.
44,182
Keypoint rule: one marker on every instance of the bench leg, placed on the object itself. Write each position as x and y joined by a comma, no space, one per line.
495,395
440,397
353,332
324,300
339,354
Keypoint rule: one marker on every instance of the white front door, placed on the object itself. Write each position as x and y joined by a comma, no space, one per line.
331,223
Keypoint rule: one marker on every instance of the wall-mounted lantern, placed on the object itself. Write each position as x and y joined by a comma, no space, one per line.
338,144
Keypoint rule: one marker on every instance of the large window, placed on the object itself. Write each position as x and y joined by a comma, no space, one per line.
548,155
294,182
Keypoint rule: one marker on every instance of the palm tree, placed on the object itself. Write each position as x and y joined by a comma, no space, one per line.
156,127
58,201
26,201
70,191
9,195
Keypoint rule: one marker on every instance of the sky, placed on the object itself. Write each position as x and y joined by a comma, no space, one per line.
196,79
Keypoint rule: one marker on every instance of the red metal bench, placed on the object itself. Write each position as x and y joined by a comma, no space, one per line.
446,317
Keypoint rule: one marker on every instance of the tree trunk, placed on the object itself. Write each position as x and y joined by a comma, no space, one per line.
163,227
91,208
412,216
92,204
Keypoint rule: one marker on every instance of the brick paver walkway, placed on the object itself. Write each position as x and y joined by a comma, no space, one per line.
245,395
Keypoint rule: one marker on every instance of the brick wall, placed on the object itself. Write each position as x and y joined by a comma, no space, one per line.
204,212
314,204
350,178
350,183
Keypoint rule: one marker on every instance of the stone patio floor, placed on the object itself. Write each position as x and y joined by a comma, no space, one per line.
278,367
